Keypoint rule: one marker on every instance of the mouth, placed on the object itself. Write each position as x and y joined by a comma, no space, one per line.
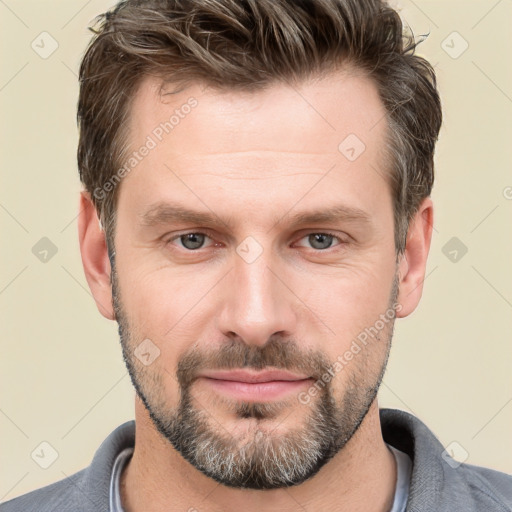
255,386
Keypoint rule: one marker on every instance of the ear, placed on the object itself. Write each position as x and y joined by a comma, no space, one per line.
413,262
93,248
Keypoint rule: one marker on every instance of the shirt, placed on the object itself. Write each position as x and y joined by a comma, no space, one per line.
403,479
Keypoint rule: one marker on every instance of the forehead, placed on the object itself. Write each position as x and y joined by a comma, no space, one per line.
257,144
317,115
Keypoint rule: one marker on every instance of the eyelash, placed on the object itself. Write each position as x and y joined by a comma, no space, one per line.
328,233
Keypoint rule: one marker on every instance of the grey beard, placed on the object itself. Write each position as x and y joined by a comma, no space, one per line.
264,461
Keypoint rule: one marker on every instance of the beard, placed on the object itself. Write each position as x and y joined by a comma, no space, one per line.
257,456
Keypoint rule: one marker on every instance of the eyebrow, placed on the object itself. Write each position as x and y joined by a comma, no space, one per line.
166,213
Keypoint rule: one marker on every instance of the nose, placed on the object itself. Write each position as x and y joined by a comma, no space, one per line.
257,304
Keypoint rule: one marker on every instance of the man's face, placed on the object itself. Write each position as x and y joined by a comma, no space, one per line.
231,321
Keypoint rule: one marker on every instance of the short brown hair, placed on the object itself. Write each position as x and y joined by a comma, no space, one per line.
250,44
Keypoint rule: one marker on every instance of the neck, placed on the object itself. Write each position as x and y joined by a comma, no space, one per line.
361,477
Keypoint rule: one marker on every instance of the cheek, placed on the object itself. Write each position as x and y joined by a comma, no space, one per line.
356,306
353,300
156,312
164,306
154,297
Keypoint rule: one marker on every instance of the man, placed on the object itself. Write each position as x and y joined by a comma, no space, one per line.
256,214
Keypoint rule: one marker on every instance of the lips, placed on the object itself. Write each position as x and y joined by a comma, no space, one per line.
254,376
254,385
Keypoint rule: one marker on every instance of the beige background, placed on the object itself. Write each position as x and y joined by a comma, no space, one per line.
62,376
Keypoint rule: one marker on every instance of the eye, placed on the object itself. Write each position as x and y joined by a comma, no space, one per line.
321,241
190,241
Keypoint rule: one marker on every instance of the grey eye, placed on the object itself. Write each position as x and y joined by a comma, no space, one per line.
192,240
320,240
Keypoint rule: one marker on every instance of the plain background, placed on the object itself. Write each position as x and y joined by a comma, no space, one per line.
63,380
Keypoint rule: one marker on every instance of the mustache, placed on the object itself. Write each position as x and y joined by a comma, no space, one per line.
276,353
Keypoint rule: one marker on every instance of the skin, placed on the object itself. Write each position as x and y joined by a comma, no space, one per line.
251,158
